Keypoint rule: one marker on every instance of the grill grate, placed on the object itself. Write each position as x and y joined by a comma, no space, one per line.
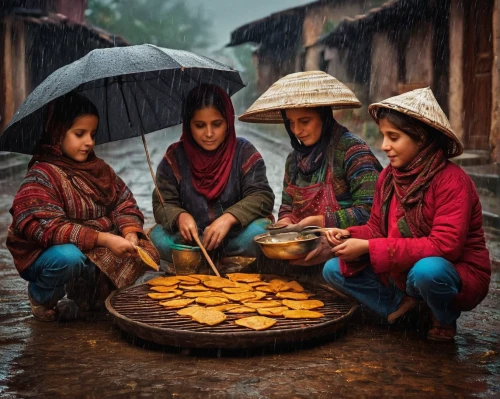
140,315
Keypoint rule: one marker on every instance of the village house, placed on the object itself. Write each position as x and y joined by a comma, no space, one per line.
36,38
286,39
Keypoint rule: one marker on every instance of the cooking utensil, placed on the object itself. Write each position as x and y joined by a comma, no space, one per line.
197,239
287,246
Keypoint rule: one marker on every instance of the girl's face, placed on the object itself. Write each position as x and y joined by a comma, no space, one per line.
306,125
209,128
400,148
79,140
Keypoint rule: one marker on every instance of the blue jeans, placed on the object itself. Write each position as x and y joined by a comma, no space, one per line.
434,280
240,244
55,267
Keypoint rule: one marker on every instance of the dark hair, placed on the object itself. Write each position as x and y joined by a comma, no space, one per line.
203,96
61,114
417,130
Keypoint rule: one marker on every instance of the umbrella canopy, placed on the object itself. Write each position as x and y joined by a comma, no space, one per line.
135,88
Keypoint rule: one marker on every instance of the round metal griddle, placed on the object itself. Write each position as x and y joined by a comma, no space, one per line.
139,315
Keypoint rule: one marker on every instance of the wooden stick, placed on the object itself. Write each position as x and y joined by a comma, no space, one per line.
197,239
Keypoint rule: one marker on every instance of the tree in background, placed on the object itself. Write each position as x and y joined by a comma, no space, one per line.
166,23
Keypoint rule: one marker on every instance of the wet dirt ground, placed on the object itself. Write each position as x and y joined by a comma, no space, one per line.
94,359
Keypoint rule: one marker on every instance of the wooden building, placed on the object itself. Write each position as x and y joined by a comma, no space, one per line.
450,45
36,38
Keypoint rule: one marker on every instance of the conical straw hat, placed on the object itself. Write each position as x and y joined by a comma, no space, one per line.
298,90
422,105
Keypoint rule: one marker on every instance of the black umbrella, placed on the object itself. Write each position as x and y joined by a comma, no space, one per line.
136,89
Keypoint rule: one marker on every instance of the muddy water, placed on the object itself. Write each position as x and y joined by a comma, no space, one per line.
92,358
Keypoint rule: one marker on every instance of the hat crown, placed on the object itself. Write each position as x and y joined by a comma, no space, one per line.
298,90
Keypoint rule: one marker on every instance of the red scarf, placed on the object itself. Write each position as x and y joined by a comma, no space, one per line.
94,172
210,170
409,185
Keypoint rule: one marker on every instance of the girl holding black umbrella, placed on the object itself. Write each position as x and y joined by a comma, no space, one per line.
73,213
211,180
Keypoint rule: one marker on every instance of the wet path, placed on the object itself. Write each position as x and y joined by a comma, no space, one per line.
92,358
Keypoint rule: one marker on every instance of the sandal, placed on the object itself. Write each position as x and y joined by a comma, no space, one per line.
405,306
42,312
442,332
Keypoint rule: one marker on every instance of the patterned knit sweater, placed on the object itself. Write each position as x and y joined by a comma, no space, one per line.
355,173
52,208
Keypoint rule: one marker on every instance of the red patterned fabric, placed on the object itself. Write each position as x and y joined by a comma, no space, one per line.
451,207
55,207
210,170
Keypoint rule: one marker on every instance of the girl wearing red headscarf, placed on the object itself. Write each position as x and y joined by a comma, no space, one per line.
211,182
424,240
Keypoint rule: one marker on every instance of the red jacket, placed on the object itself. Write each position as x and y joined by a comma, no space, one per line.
452,204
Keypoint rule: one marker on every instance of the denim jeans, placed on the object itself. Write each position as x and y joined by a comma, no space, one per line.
240,244
55,267
433,279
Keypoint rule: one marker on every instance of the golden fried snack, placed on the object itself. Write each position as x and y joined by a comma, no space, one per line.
238,290
225,307
244,277
258,283
220,283
189,310
302,314
264,288
164,288
241,309
279,285
277,311
197,294
294,286
188,280
240,297
292,295
208,316
303,305
256,322
263,304
257,296
197,287
202,277
164,295
167,281
146,258
176,303
211,300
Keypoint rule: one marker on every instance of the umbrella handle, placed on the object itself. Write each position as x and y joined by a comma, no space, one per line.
160,198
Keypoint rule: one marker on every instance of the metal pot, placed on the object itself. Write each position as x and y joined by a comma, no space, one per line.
287,246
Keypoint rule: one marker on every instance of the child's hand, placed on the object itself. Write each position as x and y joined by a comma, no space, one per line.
351,249
187,227
116,244
336,236
132,237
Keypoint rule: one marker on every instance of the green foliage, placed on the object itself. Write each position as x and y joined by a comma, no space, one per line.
166,23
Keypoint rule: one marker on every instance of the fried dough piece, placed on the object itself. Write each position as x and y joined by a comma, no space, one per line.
244,277
256,322
202,277
238,290
197,287
225,307
303,305
295,287
277,311
292,295
222,283
240,297
188,280
211,300
257,297
189,310
198,294
279,285
208,316
258,283
263,304
164,295
176,303
167,281
146,258
264,288
241,309
164,288
302,314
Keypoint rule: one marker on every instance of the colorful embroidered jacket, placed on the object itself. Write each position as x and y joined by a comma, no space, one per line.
355,173
247,195
51,208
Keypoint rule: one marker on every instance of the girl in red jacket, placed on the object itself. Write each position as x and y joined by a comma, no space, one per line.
424,239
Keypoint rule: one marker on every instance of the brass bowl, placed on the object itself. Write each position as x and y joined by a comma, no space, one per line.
188,260
287,246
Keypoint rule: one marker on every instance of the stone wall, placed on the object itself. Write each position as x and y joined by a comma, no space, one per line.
456,95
